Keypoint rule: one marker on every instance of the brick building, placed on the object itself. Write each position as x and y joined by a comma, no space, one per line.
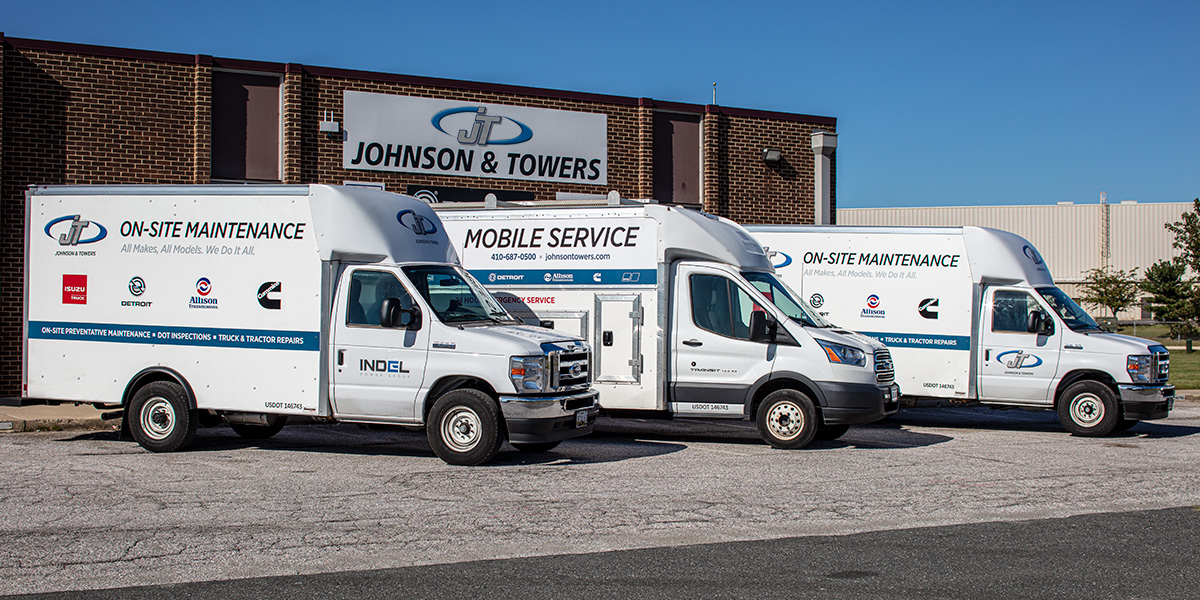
76,114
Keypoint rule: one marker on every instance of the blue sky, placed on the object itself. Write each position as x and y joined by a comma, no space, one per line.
938,103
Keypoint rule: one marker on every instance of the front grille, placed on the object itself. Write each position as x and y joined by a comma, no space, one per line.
1160,366
885,372
570,369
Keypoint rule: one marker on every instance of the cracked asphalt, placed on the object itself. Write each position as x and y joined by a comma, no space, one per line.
87,511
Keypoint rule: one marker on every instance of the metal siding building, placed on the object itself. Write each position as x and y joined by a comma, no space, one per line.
1072,238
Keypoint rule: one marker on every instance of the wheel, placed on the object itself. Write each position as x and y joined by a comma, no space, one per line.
536,446
787,419
160,417
1125,425
260,432
1089,409
831,432
464,427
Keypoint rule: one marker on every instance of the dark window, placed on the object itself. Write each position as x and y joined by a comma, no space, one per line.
368,290
1010,311
677,158
245,126
720,306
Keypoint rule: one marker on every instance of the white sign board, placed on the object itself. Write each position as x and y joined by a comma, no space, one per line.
385,132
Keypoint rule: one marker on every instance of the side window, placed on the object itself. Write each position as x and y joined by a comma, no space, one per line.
368,290
1010,310
720,306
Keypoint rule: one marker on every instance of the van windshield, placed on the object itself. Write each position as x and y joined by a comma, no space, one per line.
1074,317
785,299
455,296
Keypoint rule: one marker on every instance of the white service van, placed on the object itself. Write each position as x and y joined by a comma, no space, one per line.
685,316
253,303
972,314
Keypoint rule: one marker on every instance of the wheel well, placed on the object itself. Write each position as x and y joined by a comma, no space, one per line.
454,382
784,384
1076,376
152,374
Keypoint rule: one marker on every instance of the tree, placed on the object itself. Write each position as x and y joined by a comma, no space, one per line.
1187,236
1171,297
1113,289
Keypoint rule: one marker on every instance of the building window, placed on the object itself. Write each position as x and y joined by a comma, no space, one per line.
245,126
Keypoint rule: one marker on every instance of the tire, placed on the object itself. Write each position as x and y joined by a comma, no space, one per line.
260,432
464,427
535,447
831,432
1089,409
787,419
160,417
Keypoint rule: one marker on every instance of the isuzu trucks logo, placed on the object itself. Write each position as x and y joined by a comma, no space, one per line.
418,224
72,233
480,132
1018,359
74,288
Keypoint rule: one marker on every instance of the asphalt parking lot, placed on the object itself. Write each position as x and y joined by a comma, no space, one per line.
84,510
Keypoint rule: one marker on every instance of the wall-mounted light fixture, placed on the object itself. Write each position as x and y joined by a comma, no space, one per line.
329,127
772,155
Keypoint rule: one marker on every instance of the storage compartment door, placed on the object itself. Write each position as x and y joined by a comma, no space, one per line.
618,341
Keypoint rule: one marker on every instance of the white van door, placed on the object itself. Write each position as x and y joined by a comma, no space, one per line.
1016,365
377,371
715,362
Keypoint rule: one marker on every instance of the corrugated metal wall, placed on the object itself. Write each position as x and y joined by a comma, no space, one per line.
1069,236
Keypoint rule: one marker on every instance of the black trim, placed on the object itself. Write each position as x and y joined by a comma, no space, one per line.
136,382
854,403
710,393
532,431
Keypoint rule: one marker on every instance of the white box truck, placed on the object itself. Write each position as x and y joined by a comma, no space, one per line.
684,313
972,314
252,303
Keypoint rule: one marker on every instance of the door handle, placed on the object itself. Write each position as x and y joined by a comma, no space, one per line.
692,343
987,355
341,357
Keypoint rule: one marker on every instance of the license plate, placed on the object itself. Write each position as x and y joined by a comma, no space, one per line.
581,418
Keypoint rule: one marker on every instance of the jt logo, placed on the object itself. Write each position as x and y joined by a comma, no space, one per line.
481,129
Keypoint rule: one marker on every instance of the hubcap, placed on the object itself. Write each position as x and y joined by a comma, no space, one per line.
461,429
157,419
1087,410
785,420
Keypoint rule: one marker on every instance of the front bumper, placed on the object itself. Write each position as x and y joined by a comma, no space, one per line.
534,419
1146,402
857,403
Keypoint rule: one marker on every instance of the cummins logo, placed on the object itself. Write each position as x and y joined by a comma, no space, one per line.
73,235
928,308
480,132
418,224
264,295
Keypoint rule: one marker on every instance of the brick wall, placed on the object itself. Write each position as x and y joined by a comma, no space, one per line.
75,114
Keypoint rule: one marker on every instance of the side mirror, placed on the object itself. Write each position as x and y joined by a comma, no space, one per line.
1039,322
762,327
393,314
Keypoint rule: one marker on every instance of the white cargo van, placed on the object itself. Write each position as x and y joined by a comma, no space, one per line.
253,303
971,314
684,313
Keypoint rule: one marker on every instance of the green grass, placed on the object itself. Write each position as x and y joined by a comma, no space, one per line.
1185,369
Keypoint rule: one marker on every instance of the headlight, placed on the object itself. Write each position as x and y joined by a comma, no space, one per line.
845,355
528,373
1138,367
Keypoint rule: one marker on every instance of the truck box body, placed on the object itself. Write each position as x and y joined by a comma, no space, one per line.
267,300
613,275
952,303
